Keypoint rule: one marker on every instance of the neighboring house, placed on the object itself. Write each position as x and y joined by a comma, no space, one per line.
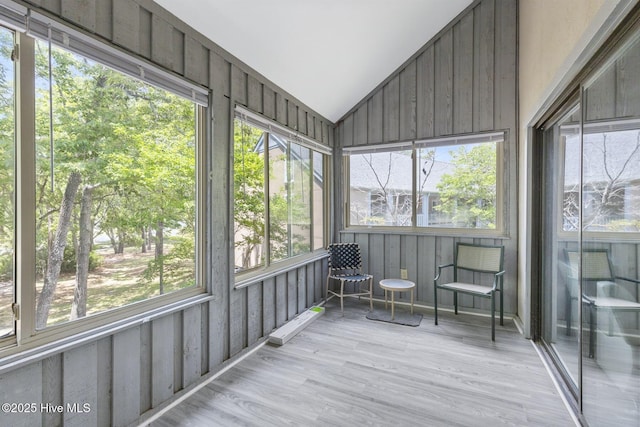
381,187
610,184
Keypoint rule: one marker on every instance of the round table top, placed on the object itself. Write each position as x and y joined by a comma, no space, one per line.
396,284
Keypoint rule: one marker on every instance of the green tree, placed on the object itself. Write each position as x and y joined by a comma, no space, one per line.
468,193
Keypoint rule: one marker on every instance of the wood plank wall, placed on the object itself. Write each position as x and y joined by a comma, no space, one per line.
124,375
462,81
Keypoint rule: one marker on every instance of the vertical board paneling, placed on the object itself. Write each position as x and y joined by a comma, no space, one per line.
51,389
409,258
162,360
505,68
360,125
191,345
443,84
374,109
321,271
238,85
254,89
237,320
126,377
302,289
145,32
346,131
463,75
220,78
80,377
292,294
268,102
408,102
311,284
391,110
204,337
126,24
425,98
391,256
281,300
302,121
254,308
196,61
163,45
444,249
177,352
104,383
483,65
218,247
281,109
269,309
23,385
146,369
80,12
426,268
292,115
376,260
104,18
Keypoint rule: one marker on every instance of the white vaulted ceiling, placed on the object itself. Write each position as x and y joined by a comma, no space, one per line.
327,53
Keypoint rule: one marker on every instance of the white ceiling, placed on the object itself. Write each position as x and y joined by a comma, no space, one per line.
327,53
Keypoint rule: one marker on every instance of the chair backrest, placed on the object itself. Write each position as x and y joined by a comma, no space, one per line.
344,256
595,264
479,258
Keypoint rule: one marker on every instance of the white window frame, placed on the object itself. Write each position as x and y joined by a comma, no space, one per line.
498,137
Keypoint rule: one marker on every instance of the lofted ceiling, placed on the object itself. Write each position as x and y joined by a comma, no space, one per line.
327,53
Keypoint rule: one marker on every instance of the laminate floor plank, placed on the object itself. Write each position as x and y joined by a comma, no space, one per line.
351,371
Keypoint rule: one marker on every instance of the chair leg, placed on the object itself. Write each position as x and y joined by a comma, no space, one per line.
455,302
501,309
567,310
493,316
326,295
342,296
371,294
435,303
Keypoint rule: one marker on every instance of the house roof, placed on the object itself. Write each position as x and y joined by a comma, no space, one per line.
329,54
394,171
615,157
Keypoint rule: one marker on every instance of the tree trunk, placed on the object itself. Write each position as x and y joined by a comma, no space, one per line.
144,242
56,251
160,253
149,237
79,306
121,237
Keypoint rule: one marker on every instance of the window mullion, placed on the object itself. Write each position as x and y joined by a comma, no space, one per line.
25,187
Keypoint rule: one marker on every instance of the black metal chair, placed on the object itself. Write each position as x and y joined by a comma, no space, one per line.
345,266
475,259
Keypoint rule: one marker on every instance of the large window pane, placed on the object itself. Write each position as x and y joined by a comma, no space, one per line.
115,189
299,198
7,192
249,203
380,189
456,186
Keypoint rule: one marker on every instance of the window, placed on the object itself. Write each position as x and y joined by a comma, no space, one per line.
453,181
99,187
115,189
7,179
278,195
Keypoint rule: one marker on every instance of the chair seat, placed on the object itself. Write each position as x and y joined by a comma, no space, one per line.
615,303
470,288
351,277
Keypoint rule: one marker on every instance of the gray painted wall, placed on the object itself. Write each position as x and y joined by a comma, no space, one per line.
125,373
463,80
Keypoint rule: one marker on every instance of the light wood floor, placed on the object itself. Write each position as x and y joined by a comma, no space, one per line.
351,371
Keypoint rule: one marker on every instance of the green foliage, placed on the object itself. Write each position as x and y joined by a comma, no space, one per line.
69,260
468,194
177,266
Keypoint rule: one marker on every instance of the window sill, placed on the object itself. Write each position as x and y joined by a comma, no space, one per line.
60,338
424,231
252,277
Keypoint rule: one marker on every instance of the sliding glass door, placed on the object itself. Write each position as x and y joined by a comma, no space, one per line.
591,240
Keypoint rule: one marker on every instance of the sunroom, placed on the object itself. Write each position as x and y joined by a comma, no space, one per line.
167,203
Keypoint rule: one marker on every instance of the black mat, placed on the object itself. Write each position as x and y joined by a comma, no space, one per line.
400,317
